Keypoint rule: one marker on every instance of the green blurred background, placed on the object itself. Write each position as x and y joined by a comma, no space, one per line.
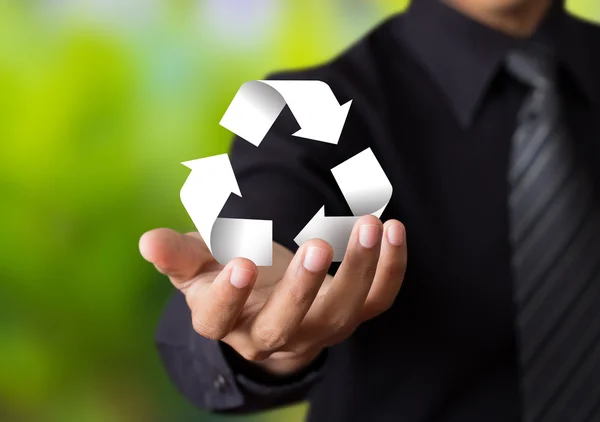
100,100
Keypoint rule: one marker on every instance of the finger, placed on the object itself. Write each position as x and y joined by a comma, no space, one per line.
181,257
390,270
216,303
342,306
293,296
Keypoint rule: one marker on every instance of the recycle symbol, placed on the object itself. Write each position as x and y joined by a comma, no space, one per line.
251,115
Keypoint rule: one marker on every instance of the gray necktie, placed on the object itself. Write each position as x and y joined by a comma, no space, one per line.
555,237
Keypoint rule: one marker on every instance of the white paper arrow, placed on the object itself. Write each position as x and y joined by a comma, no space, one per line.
367,190
334,230
364,184
257,105
204,195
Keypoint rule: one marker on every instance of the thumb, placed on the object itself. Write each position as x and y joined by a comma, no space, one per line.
180,256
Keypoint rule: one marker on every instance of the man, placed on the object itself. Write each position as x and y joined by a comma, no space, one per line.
485,115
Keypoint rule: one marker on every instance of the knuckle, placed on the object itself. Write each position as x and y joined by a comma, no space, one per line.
378,306
269,338
339,324
253,355
393,267
339,336
304,349
207,329
367,270
298,295
224,306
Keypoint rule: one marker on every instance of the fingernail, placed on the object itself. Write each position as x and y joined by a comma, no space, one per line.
240,277
368,235
395,234
315,259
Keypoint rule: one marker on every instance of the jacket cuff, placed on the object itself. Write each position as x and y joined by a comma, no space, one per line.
213,376
253,379
195,364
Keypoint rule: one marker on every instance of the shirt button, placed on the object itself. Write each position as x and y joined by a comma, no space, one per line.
220,383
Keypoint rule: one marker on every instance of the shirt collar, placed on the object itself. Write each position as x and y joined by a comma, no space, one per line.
463,55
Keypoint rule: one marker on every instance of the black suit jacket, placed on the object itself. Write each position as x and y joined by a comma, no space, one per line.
432,99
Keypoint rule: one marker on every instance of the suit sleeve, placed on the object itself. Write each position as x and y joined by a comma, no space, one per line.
212,376
287,180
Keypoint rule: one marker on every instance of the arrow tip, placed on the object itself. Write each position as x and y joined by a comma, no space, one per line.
235,188
321,212
192,164
343,113
307,230
329,130
217,167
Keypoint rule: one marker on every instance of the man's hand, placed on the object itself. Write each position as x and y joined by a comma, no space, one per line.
281,317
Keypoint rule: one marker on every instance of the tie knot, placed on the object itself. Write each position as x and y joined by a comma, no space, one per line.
534,67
